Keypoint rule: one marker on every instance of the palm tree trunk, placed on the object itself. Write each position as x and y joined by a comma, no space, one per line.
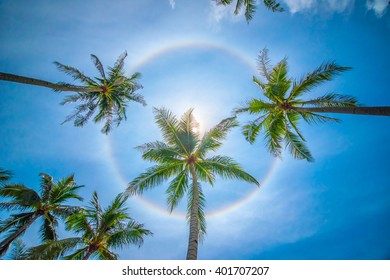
374,111
91,250
36,82
4,245
192,251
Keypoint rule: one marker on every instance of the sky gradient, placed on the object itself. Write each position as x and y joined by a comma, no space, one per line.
194,54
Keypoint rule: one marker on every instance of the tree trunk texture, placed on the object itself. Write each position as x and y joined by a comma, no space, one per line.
4,245
90,251
374,111
36,82
192,251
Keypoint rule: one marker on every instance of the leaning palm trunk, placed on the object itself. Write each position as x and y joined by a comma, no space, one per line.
91,250
4,245
374,111
192,251
36,82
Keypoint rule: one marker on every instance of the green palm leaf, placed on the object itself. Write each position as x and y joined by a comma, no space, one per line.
211,140
325,72
227,168
177,188
332,100
5,175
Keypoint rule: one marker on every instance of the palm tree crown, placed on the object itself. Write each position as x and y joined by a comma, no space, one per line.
284,107
101,230
49,205
108,95
183,156
250,6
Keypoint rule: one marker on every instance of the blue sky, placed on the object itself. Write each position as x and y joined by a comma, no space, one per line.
196,54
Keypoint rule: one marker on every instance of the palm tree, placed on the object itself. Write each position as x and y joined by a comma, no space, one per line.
182,156
108,95
101,230
49,205
278,117
250,6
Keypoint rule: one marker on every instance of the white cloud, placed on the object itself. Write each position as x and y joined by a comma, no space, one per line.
316,6
221,12
379,6
172,3
299,5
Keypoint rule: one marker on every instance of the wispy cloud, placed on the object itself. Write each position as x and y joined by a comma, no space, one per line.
379,6
316,6
172,3
220,12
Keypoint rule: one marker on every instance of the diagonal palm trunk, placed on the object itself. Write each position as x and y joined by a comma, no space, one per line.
192,251
4,245
92,249
36,82
374,111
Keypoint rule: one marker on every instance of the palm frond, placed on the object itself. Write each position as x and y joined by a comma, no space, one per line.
325,72
250,9
253,128
48,228
313,118
255,106
18,251
274,128
203,173
118,66
78,255
264,65
261,85
169,126
79,223
187,131
98,65
332,100
75,73
21,194
176,189
279,83
159,152
297,147
154,176
53,249
227,168
211,140
5,175
273,6
15,221
130,233
64,189
46,186
293,118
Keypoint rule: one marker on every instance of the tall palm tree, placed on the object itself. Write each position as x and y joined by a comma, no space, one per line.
49,205
279,115
108,95
250,6
183,157
101,231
